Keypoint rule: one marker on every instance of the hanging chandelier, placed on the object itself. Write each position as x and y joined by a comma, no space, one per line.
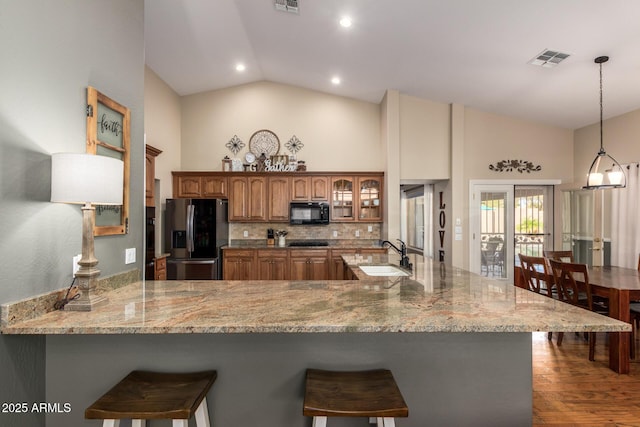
605,171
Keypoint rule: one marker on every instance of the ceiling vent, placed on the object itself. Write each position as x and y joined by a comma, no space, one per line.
549,58
287,5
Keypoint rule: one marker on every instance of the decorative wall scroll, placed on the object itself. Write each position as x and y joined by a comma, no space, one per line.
235,144
294,144
519,165
108,134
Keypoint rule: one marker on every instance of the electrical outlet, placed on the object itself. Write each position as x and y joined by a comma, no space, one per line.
130,256
76,266
335,233
245,233
370,228
357,233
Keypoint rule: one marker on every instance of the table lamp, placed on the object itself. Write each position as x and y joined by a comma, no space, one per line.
86,179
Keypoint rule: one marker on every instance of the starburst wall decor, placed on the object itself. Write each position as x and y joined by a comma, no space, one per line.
294,144
235,144
511,165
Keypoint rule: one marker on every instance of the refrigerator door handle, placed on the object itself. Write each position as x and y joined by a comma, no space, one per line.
190,246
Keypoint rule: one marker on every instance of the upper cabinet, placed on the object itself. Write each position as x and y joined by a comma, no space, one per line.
370,199
260,197
200,185
248,198
278,198
310,188
342,206
150,174
357,198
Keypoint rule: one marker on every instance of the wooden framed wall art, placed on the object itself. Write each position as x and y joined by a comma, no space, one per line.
108,134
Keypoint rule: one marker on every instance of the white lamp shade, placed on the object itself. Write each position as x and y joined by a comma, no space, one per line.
81,178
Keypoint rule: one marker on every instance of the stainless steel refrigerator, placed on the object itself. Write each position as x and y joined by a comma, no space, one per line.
195,232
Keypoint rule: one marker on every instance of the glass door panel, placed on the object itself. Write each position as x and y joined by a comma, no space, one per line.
493,233
370,207
533,220
342,208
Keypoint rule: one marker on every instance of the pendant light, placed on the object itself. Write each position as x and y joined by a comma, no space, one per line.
605,171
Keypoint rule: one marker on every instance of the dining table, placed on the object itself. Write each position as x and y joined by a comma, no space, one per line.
621,286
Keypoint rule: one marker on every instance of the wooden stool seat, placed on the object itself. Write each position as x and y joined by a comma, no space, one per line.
372,394
144,395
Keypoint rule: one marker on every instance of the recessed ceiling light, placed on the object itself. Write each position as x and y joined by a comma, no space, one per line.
335,80
240,67
345,22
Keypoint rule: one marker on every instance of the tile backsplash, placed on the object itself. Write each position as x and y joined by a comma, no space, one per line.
326,232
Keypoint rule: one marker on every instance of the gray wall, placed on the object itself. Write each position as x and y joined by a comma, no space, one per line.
447,379
51,51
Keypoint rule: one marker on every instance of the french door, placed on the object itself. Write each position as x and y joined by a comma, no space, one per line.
507,220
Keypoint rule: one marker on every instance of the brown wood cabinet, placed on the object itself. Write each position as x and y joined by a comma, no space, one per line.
278,198
273,264
369,198
309,264
339,269
289,264
160,268
310,188
357,198
199,185
248,198
239,264
150,174
261,197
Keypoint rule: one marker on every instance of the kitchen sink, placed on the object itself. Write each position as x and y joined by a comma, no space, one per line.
383,270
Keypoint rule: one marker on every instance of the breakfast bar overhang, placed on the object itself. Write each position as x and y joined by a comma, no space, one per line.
458,344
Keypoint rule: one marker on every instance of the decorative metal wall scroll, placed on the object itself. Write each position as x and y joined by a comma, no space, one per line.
518,165
235,144
294,144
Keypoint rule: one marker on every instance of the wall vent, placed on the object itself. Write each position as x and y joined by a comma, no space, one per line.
549,58
290,6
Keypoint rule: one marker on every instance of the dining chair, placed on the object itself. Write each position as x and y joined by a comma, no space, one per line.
571,291
565,256
536,274
634,314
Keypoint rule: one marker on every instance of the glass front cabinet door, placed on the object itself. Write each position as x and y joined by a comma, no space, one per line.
370,199
342,203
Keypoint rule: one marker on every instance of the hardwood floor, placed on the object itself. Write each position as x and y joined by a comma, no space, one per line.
569,390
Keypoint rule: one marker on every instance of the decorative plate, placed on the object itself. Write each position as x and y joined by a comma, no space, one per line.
250,157
264,141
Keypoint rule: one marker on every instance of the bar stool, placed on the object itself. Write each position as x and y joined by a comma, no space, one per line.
373,394
144,395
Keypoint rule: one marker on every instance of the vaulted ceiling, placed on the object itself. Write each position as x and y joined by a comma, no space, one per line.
471,52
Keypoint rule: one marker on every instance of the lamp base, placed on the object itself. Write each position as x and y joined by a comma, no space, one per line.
86,304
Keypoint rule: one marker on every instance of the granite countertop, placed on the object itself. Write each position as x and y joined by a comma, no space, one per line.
434,298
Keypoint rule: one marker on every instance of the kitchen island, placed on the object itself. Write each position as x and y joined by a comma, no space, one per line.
458,344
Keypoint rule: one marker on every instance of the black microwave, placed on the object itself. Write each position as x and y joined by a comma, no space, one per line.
301,213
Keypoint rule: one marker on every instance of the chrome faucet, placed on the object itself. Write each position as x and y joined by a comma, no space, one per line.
404,259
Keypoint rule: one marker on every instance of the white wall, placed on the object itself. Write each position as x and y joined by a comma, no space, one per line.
425,139
490,138
621,138
338,133
162,126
